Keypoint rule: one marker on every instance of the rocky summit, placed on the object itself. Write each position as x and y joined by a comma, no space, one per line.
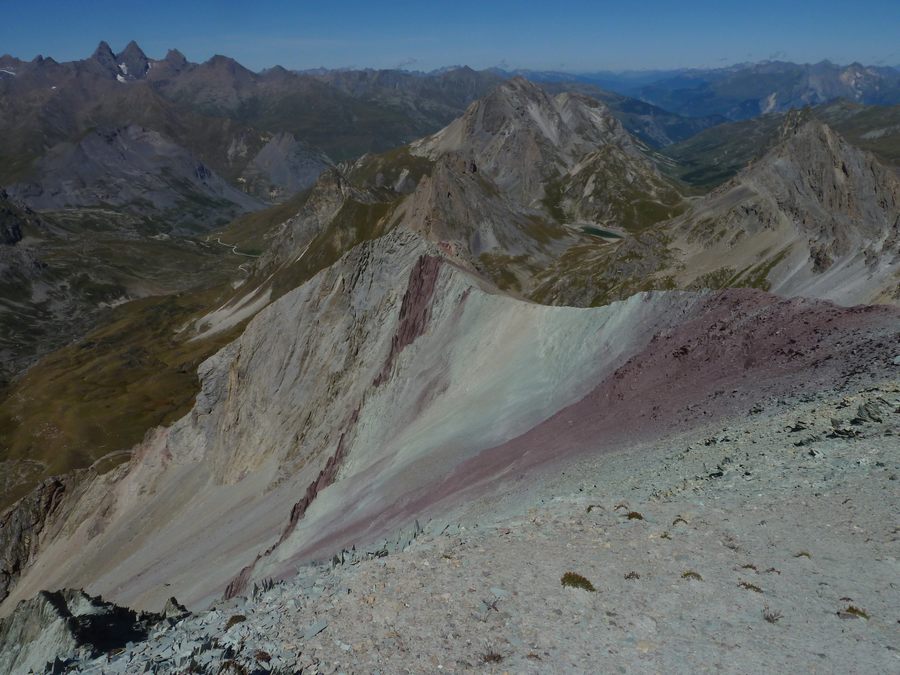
338,371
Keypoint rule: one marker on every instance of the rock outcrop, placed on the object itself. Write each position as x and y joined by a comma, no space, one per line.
45,633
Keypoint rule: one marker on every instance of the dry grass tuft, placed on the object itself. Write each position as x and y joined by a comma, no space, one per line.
573,580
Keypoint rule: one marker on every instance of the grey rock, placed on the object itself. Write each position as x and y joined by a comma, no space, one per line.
314,629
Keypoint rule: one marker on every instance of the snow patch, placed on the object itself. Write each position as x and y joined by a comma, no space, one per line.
120,78
8,72
123,68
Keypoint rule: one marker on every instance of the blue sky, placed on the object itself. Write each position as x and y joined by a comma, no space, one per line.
565,35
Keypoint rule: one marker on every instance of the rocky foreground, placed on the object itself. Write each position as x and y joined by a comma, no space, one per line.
768,544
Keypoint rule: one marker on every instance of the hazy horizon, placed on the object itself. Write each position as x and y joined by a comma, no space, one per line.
573,37
117,48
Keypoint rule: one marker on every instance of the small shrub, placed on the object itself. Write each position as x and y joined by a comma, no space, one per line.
730,543
772,616
691,574
750,566
235,620
632,575
802,554
492,657
620,505
665,535
534,656
750,587
634,515
855,611
574,580
591,507
677,520
260,655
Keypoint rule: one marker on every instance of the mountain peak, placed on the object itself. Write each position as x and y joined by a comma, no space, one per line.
518,85
131,62
795,120
175,57
103,53
521,136
132,50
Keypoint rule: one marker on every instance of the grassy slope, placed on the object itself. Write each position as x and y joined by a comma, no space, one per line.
101,394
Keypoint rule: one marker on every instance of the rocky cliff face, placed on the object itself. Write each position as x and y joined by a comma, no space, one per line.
45,633
23,527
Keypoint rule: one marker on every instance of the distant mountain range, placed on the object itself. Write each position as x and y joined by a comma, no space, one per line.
746,90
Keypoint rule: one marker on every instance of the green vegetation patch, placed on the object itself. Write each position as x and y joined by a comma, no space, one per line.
573,580
102,393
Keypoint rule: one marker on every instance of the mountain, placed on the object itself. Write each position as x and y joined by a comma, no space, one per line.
746,91
546,196
523,176
716,154
655,127
480,217
137,171
813,217
521,136
342,114
524,140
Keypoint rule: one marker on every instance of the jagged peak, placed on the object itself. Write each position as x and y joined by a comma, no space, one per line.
219,61
132,50
131,62
103,52
794,120
510,100
807,136
176,57
226,64
518,86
